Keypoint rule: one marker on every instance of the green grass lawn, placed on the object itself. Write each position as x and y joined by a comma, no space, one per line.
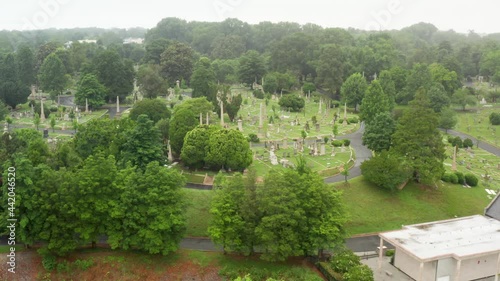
477,124
198,216
477,162
372,209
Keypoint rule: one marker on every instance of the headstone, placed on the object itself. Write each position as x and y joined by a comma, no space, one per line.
170,156
240,125
86,106
454,164
42,114
318,129
45,133
5,128
345,115
273,158
322,150
117,104
66,117
201,118
178,83
222,113
285,144
342,148
483,102
268,135
320,106
333,151
208,120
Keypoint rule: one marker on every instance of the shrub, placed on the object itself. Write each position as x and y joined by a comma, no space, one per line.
292,102
389,253
49,262
337,143
353,120
495,118
343,261
253,138
451,139
450,177
63,266
347,142
460,177
457,142
258,94
468,143
84,264
335,103
359,273
471,180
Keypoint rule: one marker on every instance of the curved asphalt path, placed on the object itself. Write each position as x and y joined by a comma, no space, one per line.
483,145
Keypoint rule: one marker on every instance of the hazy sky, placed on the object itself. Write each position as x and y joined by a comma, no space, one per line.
480,16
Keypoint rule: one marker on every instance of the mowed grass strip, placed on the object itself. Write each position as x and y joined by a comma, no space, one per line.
198,212
372,209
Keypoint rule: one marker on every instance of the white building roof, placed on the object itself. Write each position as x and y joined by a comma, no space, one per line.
459,238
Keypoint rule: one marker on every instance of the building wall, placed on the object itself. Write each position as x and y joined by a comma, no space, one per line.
411,266
446,267
478,267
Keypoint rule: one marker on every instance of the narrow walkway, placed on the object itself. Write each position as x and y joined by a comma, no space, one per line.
483,145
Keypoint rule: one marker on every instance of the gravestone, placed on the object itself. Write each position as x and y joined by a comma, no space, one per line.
66,117
240,125
45,133
322,150
273,158
483,102
285,143
318,129
333,151
342,148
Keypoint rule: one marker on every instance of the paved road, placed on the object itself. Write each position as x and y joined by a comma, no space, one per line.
483,145
362,154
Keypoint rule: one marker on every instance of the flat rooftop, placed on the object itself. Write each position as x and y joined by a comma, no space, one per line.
459,238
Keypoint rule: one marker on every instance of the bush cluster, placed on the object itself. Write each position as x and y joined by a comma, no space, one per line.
495,118
460,178
349,265
253,138
258,94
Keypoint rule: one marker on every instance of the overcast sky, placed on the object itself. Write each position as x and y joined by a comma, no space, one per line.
480,16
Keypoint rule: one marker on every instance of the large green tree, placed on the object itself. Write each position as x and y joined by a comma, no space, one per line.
195,148
12,90
150,81
52,75
418,140
228,149
331,68
353,90
151,212
143,144
438,97
183,121
26,65
375,102
91,90
386,170
378,134
155,109
177,62
300,215
251,68
115,73
203,79
462,98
